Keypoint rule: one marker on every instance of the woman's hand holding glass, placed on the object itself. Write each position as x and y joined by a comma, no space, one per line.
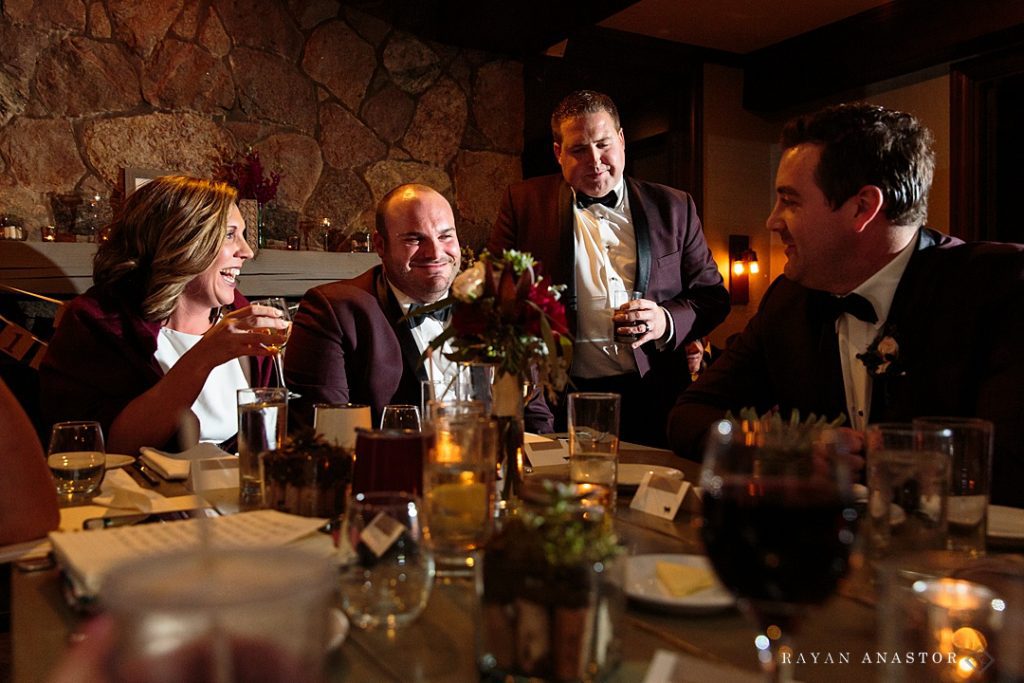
253,330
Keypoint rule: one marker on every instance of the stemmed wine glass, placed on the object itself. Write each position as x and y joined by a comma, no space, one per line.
278,349
778,524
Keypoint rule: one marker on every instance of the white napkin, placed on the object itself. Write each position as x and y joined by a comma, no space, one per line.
119,490
176,466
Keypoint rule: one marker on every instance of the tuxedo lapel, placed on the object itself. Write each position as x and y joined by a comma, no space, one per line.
831,386
567,251
393,312
642,230
886,400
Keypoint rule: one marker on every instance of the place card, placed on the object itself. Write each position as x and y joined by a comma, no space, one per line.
380,534
543,452
659,495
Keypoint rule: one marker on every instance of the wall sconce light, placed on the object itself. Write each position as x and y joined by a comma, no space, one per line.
742,264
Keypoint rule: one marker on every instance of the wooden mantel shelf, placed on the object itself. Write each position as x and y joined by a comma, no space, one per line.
65,269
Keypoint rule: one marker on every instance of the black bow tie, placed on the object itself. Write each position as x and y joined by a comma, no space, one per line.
854,304
609,200
441,315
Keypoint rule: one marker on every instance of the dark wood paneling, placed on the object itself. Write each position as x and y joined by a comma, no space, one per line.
986,147
889,41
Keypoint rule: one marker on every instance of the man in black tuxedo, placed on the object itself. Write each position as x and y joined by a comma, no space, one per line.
877,318
598,233
351,341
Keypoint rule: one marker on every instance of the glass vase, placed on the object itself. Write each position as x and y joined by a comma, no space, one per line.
502,396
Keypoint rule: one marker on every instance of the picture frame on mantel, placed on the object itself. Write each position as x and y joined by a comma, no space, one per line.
135,177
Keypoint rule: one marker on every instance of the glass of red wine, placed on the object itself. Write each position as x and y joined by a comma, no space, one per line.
778,524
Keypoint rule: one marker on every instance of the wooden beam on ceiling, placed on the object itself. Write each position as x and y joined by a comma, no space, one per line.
891,40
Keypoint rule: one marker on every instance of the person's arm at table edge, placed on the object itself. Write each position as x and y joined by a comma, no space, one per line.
28,497
1000,398
155,416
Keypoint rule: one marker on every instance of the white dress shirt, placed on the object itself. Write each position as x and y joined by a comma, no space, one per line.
440,371
217,404
855,335
605,263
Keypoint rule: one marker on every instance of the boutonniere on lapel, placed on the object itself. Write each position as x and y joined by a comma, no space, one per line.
882,357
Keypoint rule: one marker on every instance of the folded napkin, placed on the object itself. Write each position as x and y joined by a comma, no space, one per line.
119,490
176,466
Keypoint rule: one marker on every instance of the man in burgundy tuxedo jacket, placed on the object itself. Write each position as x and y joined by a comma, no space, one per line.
852,190
598,232
350,343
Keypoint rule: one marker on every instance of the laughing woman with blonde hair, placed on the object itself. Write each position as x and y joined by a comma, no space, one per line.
163,339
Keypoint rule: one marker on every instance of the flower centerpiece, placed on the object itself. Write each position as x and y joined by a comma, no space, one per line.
505,315
248,176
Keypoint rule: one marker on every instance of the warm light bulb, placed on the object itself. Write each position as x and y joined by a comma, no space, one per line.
738,268
754,269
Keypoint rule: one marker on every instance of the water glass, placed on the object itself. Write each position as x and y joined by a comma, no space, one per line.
338,422
262,426
442,389
908,488
594,443
390,460
391,575
475,382
221,615
77,460
400,416
970,484
439,409
459,490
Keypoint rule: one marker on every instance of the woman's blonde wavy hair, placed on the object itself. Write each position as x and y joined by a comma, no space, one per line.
168,232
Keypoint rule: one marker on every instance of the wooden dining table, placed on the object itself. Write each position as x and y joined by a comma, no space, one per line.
441,644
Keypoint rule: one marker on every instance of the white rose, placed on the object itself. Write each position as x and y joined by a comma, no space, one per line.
888,347
470,283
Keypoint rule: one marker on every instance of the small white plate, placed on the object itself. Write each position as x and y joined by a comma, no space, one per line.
337,629
1005,522
642,585
114,461
630,474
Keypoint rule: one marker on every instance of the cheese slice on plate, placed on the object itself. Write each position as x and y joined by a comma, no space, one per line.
680,580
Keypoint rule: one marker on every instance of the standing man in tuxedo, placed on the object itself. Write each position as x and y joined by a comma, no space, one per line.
351,340
599,232
874,311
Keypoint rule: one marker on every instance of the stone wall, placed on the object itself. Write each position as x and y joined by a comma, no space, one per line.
343,105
